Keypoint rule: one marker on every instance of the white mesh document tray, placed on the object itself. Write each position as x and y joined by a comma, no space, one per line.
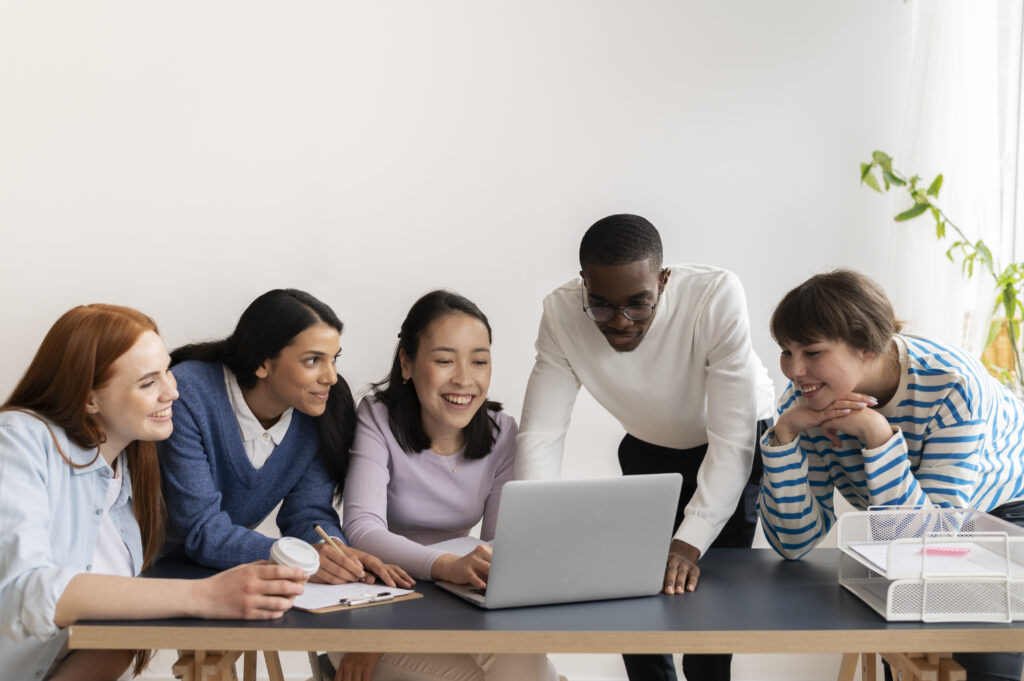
933,564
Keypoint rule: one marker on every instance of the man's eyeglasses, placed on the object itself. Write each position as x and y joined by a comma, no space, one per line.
606,313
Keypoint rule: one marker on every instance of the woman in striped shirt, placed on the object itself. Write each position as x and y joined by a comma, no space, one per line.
885,419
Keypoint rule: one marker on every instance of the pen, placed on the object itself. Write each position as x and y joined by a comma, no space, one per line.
327,538
369,598
335,543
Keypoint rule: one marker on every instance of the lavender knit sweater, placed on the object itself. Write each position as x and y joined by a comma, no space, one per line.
396,501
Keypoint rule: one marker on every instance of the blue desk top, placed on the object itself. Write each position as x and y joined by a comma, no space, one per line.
743,593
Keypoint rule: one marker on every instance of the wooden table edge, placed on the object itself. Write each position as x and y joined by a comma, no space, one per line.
475,641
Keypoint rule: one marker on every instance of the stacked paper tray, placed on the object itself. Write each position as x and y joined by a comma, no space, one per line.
933,564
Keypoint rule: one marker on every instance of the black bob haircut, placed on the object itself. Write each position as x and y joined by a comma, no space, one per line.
267,326
399,396
620,240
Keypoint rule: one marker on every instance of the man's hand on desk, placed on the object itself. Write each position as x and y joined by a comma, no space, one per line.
681,573
357,666
471,568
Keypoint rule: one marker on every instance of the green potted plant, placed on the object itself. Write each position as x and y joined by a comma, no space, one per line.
1008,305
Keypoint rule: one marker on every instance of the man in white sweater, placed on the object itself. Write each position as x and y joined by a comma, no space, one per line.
666,350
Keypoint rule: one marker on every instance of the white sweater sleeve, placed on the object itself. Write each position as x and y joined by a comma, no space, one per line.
733,371
547,407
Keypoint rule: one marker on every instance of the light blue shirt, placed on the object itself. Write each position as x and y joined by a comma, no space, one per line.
50,514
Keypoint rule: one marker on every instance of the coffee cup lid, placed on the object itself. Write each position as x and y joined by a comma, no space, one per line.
294,552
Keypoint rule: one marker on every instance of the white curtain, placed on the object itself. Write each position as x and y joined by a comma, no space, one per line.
960,103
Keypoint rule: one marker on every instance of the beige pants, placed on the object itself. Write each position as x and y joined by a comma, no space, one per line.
460,667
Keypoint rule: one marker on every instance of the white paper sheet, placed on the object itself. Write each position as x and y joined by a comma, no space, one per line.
318,596
934,559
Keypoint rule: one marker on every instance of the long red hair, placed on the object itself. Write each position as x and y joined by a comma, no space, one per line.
76,357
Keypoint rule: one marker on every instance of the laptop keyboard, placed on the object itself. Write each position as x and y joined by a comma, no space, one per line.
478,591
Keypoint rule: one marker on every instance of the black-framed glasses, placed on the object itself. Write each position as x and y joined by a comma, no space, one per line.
605,313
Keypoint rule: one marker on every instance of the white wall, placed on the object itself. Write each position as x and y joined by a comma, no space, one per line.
184,157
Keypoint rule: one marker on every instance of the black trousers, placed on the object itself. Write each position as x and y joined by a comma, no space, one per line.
637,457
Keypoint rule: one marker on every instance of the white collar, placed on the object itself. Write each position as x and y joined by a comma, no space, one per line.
248,424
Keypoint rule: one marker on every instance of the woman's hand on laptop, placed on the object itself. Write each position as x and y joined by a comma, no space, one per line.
471,568
681,573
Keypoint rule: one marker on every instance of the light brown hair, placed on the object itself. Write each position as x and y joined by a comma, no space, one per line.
76,357
841,305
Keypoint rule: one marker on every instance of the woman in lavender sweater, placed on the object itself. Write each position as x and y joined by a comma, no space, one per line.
430,456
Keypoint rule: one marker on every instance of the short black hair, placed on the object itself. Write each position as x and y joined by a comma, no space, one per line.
620,240
399,396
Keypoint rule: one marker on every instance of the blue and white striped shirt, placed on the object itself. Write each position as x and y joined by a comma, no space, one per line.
958,441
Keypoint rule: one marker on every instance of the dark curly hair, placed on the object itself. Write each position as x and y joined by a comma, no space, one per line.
620,240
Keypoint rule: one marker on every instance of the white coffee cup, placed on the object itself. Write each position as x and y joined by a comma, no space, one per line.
293,552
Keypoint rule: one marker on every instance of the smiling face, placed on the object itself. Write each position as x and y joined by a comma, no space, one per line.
135,402
825,371
635,283
300,376
451,373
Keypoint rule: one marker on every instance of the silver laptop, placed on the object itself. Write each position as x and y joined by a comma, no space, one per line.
561,541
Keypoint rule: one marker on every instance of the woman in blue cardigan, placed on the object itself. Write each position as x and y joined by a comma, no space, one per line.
264,419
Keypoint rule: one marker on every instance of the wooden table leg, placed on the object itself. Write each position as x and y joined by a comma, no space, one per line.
848,667
249,666
868,667
273,661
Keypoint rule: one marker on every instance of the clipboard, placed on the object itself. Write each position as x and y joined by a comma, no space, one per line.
324,598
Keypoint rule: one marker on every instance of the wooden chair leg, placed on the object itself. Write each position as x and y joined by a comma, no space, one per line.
210,669
921,667
897,664
220,666
950,670
185,667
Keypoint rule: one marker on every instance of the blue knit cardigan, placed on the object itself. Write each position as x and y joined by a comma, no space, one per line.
215,497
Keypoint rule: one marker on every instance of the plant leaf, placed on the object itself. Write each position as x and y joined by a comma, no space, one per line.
865,168
883,159
993,331
871,181
940,229
912,212
892,179
935,186
986,254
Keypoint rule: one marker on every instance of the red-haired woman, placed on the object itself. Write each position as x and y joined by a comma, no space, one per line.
80,506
